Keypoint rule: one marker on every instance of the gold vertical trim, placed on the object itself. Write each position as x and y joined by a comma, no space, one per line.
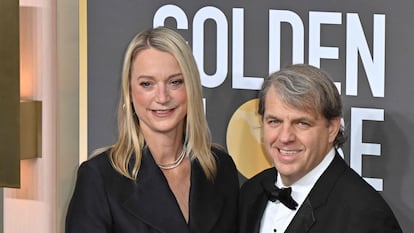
83,81
9,94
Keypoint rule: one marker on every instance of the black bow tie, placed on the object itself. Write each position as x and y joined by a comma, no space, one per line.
282,194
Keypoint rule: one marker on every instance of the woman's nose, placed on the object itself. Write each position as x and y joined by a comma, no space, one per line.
162,94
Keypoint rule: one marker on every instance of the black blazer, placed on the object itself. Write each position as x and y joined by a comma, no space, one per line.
340,202
105,201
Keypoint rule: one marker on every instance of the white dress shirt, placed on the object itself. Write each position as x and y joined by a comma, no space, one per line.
277,216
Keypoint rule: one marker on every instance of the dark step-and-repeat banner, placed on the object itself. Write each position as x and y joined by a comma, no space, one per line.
366,45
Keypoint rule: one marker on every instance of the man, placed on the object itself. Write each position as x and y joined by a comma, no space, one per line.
301,111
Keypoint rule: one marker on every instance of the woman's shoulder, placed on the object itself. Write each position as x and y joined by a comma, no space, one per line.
224,161
227,174
100,157
221,154
97,162
99,166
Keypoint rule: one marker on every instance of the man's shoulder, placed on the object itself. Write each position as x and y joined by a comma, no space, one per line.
254,183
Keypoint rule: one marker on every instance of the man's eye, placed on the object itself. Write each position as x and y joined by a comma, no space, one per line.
304,124
273,122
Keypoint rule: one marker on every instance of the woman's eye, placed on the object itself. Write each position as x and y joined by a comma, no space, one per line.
145,84
176,83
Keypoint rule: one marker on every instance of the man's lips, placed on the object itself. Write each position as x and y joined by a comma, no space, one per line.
289,152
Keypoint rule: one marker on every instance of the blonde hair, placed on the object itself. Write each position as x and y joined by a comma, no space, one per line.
197,136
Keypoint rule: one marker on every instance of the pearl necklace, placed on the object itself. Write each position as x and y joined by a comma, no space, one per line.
176,163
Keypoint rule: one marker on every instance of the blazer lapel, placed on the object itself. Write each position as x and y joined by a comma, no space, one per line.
153,202
206,204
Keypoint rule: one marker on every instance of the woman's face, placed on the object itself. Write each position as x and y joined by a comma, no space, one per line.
158,92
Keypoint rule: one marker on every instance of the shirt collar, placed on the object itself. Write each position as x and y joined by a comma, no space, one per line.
302,187
314,174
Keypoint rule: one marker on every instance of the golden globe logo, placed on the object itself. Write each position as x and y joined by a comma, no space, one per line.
244,133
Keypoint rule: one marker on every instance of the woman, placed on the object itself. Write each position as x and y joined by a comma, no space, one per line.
162,174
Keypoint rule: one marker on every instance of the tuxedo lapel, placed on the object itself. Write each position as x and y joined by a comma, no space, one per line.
321,190
153,202
303,219
206,204
317,197
256,202
255,212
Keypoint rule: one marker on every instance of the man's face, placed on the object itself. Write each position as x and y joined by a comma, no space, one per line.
296,140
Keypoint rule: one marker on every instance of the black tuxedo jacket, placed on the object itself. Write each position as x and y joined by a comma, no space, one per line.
340,202
105,201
